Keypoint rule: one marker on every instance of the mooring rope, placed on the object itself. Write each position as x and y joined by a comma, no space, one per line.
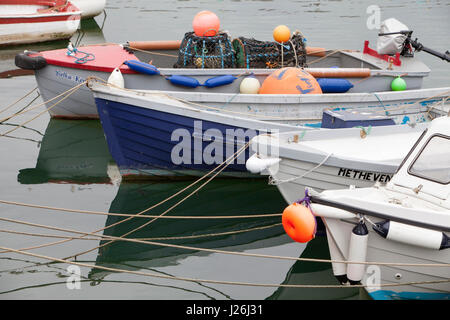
41,104
190,248
167,277
273,181
17,101
150,208
224,165
134,215
68,92
198,236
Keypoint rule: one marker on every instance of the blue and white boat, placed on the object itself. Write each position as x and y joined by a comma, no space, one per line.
151,134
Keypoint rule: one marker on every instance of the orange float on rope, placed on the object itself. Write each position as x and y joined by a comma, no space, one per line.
206,24
290,81
299,223
281,34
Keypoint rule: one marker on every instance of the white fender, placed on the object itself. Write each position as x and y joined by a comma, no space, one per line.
357,252
255,164
411,235
116,78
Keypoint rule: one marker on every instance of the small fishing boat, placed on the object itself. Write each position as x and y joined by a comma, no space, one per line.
347,78
90,8
30,21
154,135
407,245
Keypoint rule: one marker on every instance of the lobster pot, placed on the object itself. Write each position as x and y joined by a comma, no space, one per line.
205,52
251,53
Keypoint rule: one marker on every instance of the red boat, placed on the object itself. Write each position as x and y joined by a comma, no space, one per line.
29,21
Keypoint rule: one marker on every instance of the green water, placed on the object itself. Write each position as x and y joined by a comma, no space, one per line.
66,164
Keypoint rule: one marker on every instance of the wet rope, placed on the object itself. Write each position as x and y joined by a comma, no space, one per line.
134,215
68,92
94,266
190,248
198,236
224,166
38,105
143,211
17,101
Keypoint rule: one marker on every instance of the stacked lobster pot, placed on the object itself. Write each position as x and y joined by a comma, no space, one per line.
219,52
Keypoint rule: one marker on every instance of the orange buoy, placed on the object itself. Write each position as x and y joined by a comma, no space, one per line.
206,24
290,81
281,34
299,223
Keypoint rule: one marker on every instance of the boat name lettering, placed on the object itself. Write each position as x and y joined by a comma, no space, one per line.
364,175
68,76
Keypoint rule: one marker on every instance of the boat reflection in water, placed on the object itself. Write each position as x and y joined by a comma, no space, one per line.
221,197
71,152
313,273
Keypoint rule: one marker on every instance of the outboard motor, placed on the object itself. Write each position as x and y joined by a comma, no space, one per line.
395,37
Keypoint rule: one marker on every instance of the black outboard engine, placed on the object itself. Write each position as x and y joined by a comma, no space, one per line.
396,37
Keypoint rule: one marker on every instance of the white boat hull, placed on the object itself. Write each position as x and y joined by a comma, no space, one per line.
26,25
382,250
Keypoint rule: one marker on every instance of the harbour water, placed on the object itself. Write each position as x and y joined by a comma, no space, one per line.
66,164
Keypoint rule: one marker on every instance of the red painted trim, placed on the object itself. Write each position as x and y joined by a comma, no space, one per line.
49,3
395,60
36,19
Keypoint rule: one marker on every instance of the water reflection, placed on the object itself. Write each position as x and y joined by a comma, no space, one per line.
71,151
313,273
218,198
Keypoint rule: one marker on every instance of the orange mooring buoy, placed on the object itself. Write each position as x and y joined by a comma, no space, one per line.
299,223
206,24
281,34
290,81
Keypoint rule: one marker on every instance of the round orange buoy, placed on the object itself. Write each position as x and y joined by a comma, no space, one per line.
290,81
281,34
206,24
299,223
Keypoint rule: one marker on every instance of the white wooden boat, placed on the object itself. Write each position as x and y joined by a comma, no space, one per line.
370,77
30,21
408,223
